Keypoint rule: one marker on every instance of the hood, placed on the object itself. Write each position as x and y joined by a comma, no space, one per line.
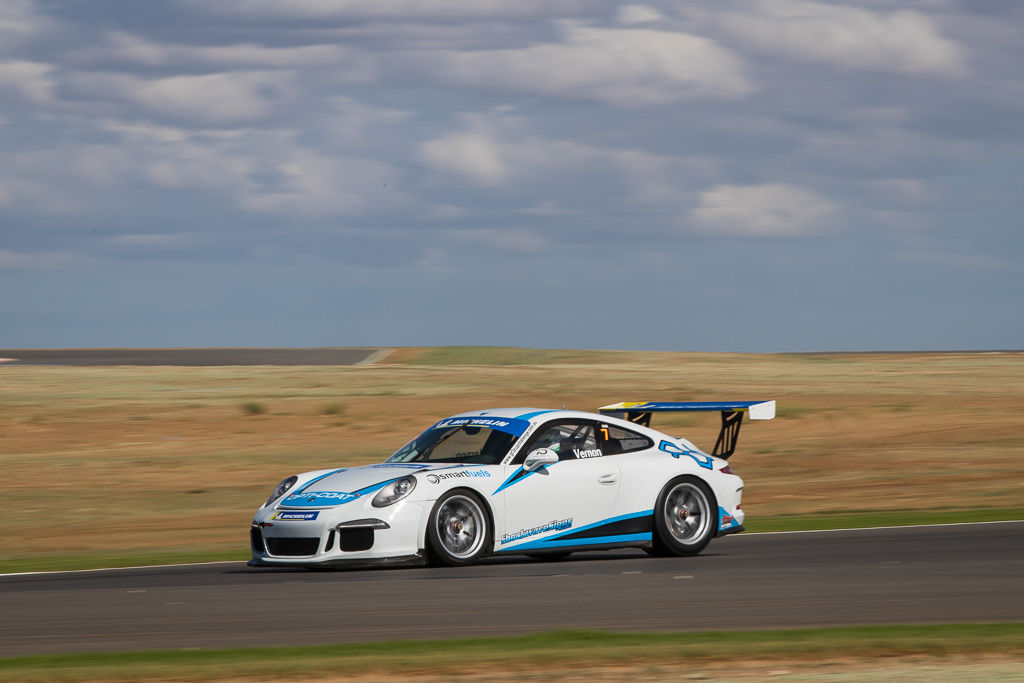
345,485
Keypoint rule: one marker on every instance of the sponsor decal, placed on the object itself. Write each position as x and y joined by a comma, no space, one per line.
399,465
458,474
511,425
553,525
473,421
519,443
296,516
588,452
675,451
320,498
726,521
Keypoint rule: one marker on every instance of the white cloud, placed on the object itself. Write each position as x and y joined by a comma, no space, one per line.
63,181
218,98
843,36
19,24
348,121
497,150
347,64
474,156
874,151
506,240
638,14
150,240
623,67
351,9
909,192
311,184
548,208
33,81
43,260
769,210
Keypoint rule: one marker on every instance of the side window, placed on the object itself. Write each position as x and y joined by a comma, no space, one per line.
571,440
616,440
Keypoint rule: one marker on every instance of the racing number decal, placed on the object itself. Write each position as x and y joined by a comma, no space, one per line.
675,451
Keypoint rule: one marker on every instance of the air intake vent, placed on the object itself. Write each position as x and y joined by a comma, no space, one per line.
353,540
256,537
292,547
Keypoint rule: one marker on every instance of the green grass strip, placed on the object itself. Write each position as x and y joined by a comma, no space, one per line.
543,651
878,518
819,521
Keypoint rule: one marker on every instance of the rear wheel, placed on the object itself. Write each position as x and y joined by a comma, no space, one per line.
459,530
685,517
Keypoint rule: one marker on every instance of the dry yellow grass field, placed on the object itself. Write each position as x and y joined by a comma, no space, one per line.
132,459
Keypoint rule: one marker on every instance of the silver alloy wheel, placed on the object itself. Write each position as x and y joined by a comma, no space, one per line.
461,526
687,513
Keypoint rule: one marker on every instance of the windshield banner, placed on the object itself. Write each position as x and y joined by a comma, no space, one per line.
509,425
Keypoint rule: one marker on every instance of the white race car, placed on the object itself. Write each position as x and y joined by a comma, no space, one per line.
515,480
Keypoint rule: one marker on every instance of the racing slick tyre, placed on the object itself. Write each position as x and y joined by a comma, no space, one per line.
458,529
685,517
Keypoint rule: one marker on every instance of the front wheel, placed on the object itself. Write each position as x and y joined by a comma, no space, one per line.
458,530
685,517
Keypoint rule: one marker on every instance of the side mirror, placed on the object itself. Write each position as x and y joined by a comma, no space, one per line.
539,458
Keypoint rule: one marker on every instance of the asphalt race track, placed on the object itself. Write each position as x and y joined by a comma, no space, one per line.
186,357
938,574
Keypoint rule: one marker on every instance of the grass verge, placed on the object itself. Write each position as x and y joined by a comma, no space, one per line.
817,522
878,518
566,650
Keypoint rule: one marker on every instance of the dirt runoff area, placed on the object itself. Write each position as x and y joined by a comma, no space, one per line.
130,459
905,670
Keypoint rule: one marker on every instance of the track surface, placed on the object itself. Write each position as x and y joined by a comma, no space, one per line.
185,357
964,573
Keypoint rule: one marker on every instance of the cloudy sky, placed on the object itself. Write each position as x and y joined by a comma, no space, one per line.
744,175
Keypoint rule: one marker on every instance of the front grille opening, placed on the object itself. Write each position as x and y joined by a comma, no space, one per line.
351,540
292,547
330,542
256,537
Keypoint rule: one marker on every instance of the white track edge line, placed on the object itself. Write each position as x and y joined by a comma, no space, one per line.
116,569
752,533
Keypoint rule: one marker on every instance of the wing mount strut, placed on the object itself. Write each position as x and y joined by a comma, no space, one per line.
732,416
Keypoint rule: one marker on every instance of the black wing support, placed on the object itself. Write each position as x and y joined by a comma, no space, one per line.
732,417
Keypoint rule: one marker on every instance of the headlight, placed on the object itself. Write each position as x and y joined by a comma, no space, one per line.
281,489
394,492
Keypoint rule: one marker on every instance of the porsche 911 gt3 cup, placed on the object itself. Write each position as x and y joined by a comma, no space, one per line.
515,480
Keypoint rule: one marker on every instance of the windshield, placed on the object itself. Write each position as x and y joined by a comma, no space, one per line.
466,444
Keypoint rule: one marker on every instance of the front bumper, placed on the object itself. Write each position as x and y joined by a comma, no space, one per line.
349,534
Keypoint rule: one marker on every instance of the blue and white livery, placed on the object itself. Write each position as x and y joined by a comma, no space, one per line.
515,480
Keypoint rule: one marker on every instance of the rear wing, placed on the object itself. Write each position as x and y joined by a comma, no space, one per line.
732,416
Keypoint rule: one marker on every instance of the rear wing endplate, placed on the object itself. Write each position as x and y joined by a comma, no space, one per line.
732,416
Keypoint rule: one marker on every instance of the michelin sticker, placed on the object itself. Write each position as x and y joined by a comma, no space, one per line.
296,516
